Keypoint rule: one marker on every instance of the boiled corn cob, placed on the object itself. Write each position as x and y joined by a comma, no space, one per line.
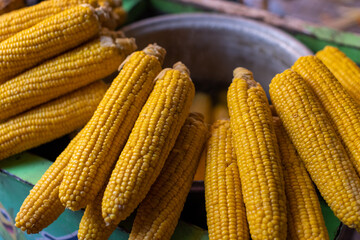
344,69
149,143
225,209
16,21
258,157
108,129
48,38
42,206
92,225
340,106
90,62
10,5
158,214
318,145
49,121
305,220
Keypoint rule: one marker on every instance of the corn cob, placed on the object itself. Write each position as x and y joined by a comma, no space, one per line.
344,69
108,129
220,112
200,171
149,143
92,225
48,38
42,206
60,75
340,106
49,121
305,220
16,21
318,145
158,214
10,5
225,210
258,157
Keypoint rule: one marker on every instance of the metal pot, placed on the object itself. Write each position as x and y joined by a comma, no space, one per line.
212,45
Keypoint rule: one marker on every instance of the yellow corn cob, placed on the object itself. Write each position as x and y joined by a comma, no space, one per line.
10,5
49,121
340,106
42,206
149,143
48,38
158,214
16,21
273,111
344,69
305,220
318,145
60,75
200,171
225,210
202,104
92,225
108,129
258,157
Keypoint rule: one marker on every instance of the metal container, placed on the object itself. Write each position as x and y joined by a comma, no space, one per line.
212,45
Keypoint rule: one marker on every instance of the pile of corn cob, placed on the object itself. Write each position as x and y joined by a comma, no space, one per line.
261,163
53,56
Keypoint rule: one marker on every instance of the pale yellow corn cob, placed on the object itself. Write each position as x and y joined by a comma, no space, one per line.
79,67
50,121
258,157
158,214
149,143
225,209
318,145
108,129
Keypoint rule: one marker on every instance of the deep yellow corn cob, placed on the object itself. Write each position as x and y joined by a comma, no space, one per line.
16,21
10,5
92,225
149,143
318,145
344,69
225,209
49,121
305,220
42,206
60,75
48,38
158,214
258,157
341,107
108,129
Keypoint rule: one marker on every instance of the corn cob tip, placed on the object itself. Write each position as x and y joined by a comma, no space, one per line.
156,51
120,15
105,16
111,33
126,44
247,75
197,116
181,67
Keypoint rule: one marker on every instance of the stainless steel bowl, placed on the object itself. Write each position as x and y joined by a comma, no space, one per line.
212,45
